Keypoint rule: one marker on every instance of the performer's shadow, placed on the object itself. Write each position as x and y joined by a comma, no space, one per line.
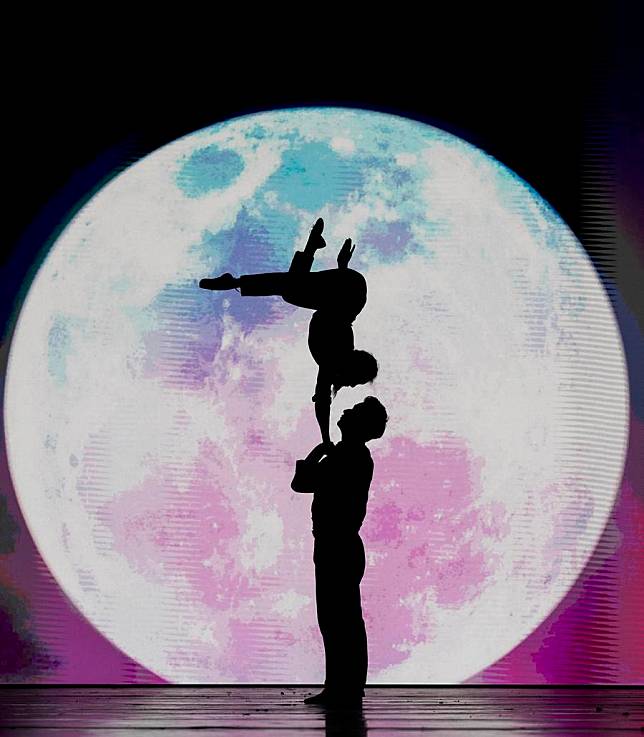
343,721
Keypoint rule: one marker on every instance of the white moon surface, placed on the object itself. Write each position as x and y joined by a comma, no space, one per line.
152,427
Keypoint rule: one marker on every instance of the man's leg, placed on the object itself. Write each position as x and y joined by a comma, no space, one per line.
355,644
325,605
338,571
352,634
345,641
323,594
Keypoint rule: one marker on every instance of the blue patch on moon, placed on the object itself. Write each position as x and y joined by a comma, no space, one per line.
255,244
389,242
187,335
208,169
313,176
59,344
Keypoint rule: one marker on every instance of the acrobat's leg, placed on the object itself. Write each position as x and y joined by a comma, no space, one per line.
312,290
255,285
340,290
298,285
303,260
264,285
219,283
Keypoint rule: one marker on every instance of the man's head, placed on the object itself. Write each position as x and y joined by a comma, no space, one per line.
359,367
364,421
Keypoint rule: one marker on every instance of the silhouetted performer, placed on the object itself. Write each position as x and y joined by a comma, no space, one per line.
337,296
339,477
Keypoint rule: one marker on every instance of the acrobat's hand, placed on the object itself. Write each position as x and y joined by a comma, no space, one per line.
345,254
319,451
316,241
327,447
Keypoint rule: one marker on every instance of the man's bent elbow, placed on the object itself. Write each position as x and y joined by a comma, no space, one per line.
297,487
300,480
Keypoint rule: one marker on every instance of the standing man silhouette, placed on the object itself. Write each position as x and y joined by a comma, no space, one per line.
339,477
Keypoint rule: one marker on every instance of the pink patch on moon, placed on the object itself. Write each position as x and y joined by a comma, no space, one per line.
168,532
425,533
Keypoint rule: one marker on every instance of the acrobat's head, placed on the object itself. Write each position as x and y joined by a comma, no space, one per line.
364,421
359,367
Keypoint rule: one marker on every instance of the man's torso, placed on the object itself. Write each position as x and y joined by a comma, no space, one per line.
340,501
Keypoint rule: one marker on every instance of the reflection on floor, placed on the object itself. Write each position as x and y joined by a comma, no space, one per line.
76,711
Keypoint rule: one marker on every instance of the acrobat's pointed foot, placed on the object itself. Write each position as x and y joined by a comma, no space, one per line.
316,241
345,254
225,281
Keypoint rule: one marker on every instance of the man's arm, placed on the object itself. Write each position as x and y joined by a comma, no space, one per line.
303,481
306,476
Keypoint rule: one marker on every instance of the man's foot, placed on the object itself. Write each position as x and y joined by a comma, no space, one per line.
225,281
327,697
318,698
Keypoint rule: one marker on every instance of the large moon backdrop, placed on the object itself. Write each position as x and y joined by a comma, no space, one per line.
152,427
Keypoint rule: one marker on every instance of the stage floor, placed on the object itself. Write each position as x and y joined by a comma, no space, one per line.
219,710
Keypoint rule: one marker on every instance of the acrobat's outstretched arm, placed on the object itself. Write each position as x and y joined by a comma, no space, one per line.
322,399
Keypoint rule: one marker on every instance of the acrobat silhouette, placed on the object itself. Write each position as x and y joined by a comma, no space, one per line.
337,296
339,478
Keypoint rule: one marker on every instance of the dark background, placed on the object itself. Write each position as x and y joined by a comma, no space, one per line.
551,97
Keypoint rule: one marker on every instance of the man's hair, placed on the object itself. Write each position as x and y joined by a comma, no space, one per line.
373,418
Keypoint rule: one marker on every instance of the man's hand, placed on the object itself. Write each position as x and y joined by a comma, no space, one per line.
345,254
316,241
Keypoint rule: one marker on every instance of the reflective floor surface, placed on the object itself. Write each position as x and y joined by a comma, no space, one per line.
219,710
